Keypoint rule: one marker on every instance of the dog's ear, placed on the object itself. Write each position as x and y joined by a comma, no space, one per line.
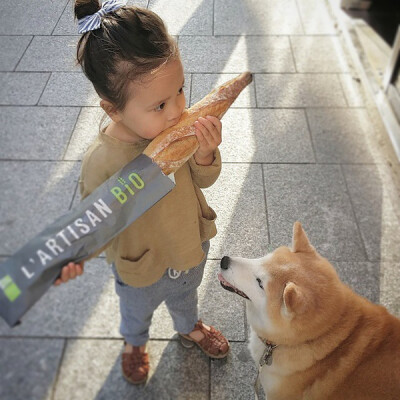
294,300
300,242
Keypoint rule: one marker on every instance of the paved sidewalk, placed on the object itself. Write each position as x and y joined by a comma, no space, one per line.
303,142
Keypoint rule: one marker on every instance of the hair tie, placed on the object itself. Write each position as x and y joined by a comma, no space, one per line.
92,22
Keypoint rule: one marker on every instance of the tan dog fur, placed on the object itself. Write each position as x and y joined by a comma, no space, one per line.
332,343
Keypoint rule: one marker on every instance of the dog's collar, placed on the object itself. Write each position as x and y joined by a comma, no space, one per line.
265,359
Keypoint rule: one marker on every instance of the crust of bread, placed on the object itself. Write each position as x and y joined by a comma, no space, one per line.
174,146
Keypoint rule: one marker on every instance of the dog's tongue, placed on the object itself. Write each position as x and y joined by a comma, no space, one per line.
221,279
226,285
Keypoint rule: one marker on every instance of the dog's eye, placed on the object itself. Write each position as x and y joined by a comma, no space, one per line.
260,283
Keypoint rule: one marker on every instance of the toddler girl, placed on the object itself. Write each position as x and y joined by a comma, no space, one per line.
135,67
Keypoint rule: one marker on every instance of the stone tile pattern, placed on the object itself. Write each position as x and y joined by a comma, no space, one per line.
298,144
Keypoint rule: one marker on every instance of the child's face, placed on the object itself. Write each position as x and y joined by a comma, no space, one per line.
156,103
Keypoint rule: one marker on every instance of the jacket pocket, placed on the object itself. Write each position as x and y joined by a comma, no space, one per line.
130,268
207,225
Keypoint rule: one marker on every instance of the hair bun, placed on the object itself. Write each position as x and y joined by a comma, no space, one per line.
82,8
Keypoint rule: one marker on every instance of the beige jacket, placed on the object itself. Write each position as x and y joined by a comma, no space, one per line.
171,232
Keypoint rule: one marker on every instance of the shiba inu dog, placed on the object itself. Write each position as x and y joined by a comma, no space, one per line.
318,339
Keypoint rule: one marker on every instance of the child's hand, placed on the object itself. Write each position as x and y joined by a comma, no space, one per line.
208,133
70,271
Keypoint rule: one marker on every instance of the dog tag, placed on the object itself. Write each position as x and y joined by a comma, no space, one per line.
266,358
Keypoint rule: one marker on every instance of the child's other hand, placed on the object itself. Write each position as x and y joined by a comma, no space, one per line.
208,133
70,271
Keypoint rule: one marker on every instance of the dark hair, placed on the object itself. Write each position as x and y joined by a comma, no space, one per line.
130,43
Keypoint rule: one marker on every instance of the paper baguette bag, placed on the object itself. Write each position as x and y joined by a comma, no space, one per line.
102,215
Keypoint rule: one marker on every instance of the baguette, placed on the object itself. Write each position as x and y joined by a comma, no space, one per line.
174,146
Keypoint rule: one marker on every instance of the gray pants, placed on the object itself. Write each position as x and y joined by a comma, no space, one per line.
178,290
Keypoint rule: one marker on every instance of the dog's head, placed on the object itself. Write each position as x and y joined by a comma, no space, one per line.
292,295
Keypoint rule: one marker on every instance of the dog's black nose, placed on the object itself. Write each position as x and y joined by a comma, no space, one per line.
225,262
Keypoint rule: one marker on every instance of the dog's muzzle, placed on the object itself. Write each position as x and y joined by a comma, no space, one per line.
224,283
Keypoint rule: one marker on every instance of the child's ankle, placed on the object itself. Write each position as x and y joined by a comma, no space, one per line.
129,348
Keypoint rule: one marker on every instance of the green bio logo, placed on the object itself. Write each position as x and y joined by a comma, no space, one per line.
135,183
11,290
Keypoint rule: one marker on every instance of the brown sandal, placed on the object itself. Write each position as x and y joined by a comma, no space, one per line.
214,344
135,366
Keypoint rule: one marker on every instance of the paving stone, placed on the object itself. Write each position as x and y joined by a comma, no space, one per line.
299,90
68,26
185,17
175,372
353,90
342,135
235,54
50,53
315,17
257,135
85,307
258,17
69,89
138,3
30,17
21,88
319,54
36,133
12,48
86,130
202,84
362,277
238,199
377,209
234,378
316,196
33,194
389,288
28,368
